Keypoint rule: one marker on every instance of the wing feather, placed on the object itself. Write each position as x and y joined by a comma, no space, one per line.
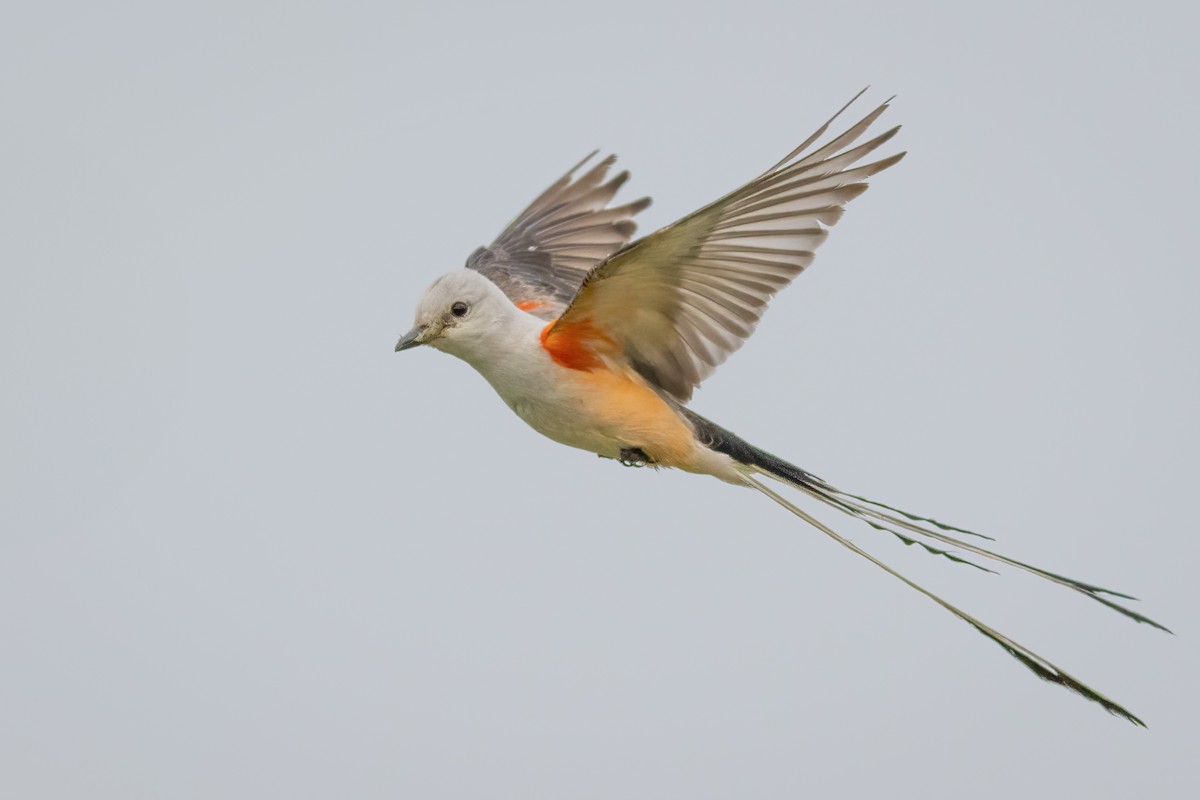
681,300
542,257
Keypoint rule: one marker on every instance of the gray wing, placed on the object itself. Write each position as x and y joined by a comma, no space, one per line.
542,257
678,302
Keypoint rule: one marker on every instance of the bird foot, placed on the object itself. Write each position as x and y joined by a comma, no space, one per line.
634,457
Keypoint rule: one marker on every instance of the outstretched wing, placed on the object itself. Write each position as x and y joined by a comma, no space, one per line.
678,302
542,257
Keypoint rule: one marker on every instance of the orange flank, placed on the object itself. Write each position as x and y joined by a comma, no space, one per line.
577,344
625,408
528,305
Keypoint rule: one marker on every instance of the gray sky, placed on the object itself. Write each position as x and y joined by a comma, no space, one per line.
249,552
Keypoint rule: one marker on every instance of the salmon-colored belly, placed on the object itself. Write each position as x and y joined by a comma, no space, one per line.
605,413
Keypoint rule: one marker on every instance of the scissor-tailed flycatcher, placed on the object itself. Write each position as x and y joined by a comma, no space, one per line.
598,344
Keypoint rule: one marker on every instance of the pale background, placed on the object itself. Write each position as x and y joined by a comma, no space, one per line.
249,552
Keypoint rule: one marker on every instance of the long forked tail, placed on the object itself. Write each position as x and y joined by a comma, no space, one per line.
754,463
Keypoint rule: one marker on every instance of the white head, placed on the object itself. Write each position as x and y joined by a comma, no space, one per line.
460,313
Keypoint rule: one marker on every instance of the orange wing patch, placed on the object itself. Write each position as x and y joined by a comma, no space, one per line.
529,305
576,345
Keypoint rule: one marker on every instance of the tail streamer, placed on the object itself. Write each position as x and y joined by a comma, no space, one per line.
861,508
1035,663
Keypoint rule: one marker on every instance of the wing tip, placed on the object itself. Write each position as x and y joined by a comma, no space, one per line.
571,172
618,180
639,205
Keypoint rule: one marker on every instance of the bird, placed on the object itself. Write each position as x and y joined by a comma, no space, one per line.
598,340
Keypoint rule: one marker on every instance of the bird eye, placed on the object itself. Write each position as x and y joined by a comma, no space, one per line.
458,309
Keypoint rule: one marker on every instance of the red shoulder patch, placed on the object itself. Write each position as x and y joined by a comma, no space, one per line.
529,305
576,345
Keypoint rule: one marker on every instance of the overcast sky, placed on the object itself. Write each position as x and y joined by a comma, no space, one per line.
247,551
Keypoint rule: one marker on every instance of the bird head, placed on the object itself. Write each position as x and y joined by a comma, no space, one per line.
457,313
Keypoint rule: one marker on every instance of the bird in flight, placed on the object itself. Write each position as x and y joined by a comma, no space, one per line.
598,342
